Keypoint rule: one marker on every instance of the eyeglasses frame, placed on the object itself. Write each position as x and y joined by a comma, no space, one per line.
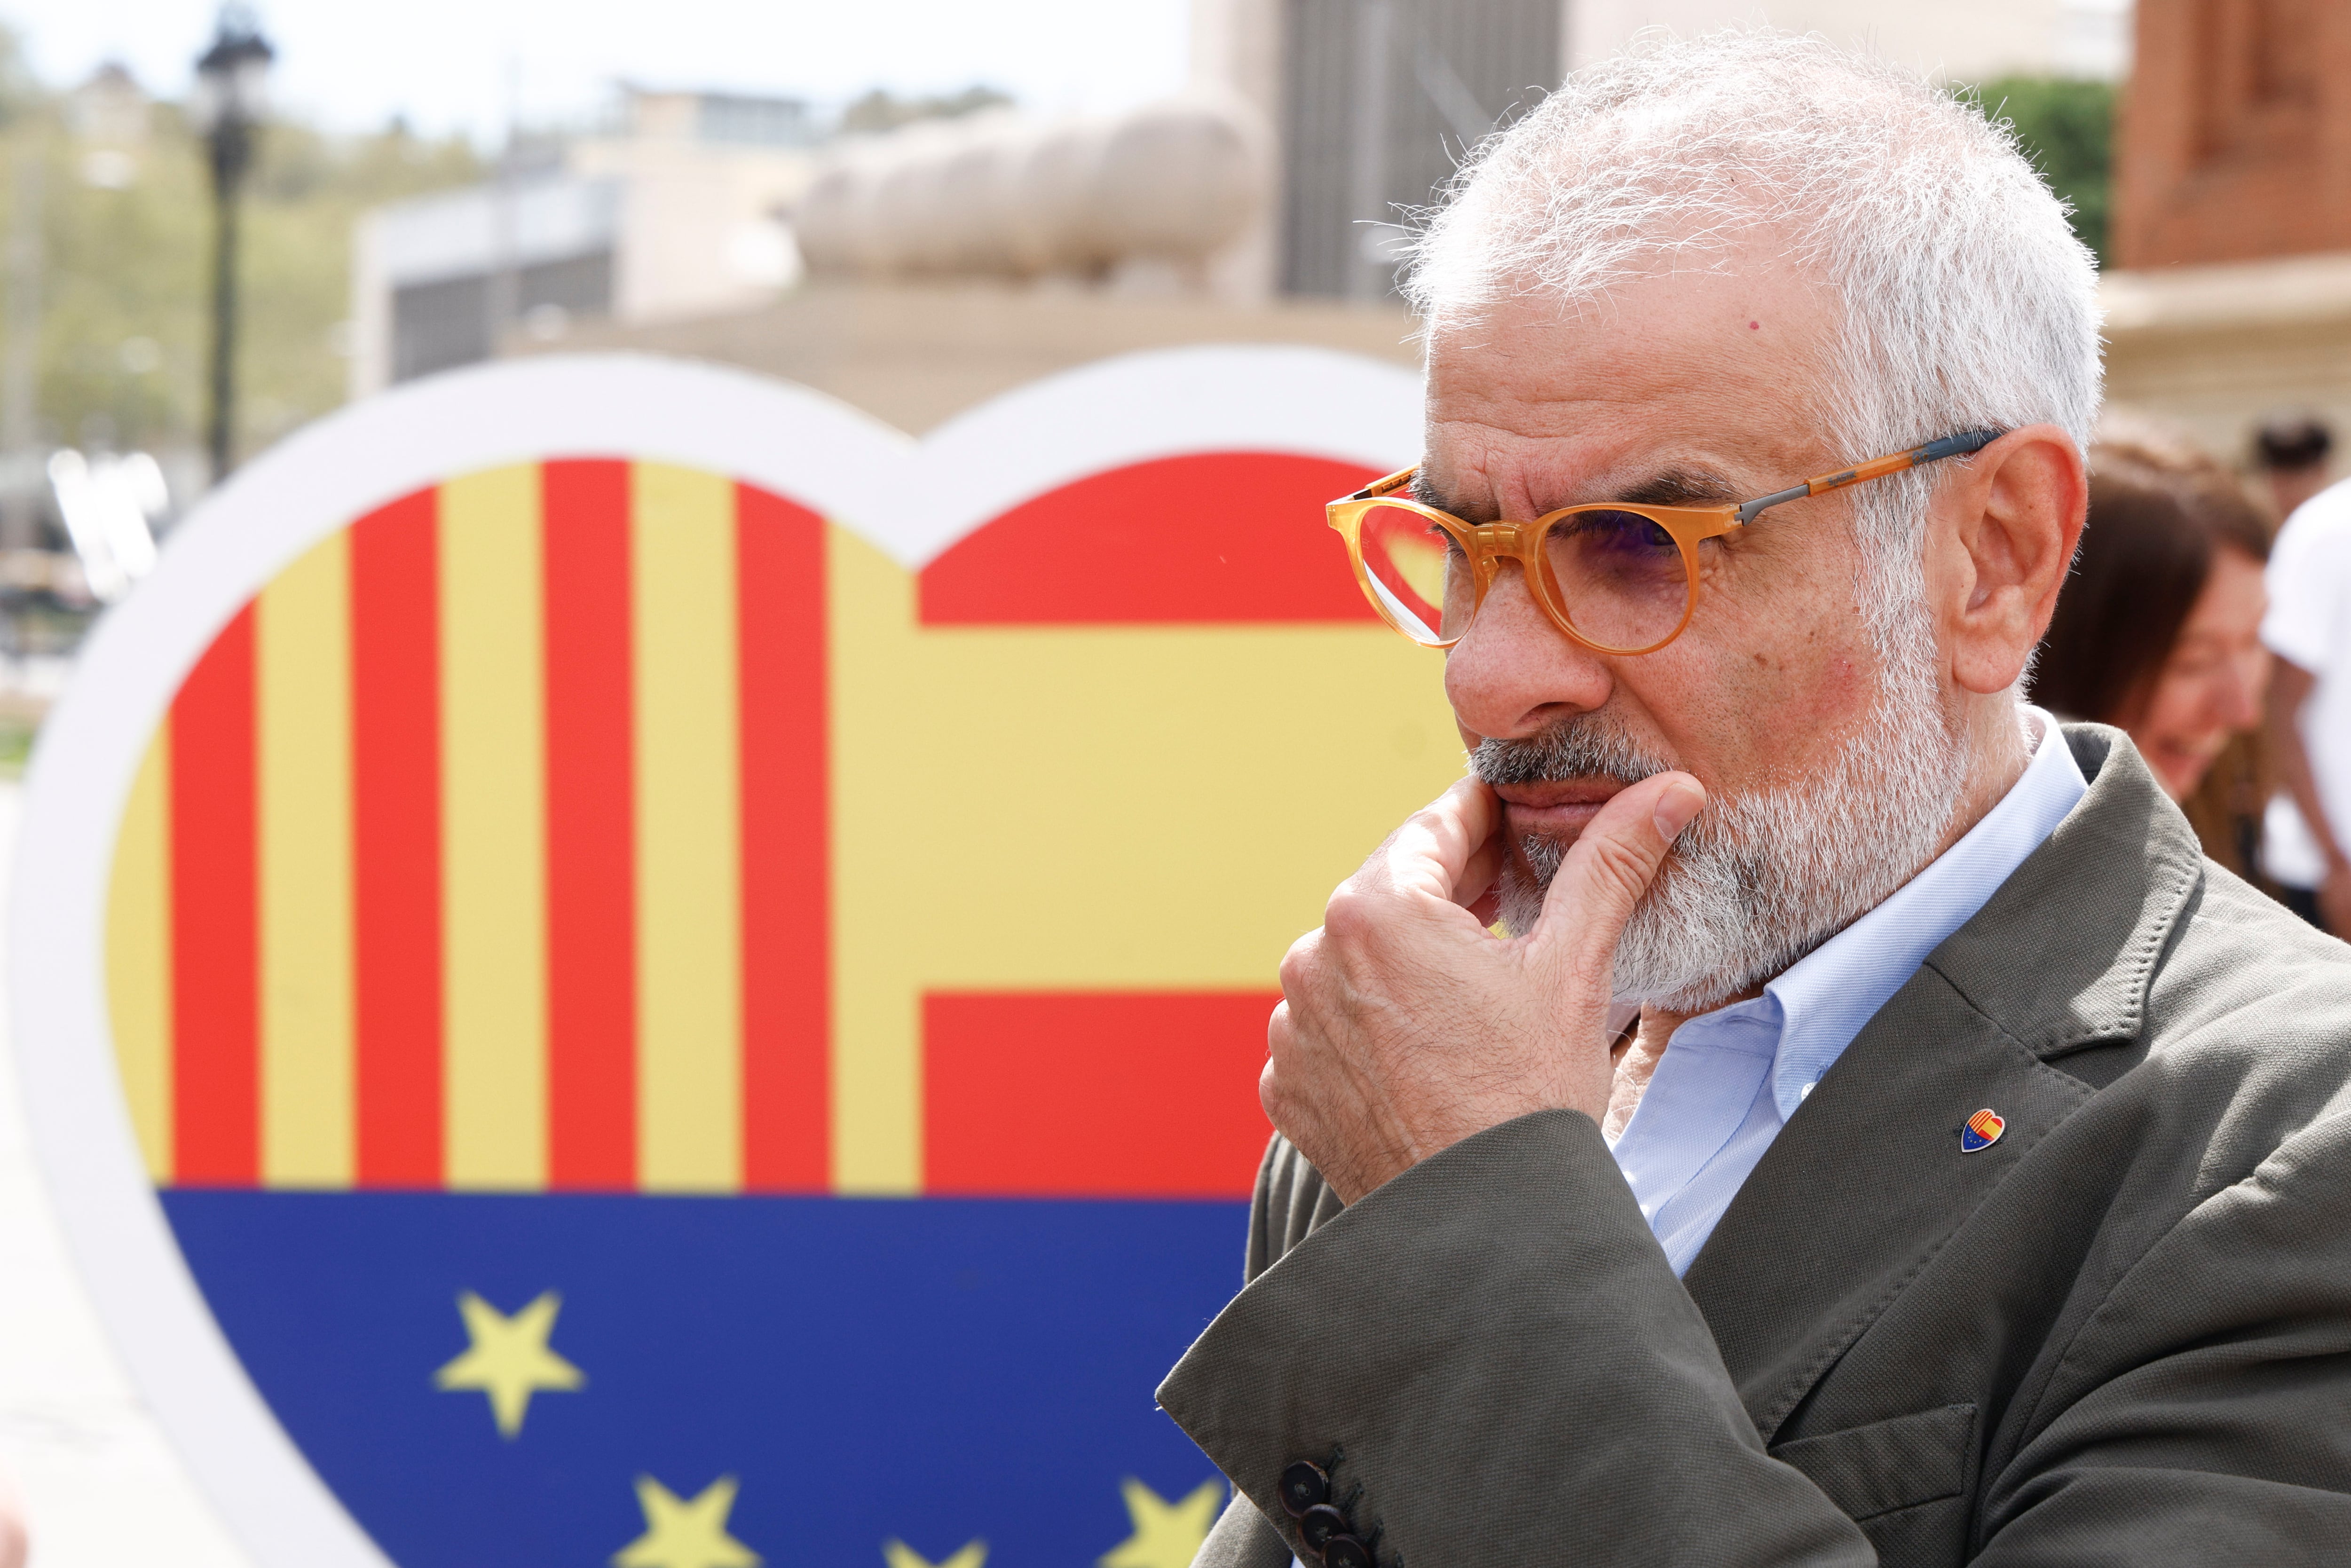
1488,545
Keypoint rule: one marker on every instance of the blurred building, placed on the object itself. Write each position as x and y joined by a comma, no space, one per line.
1142,202
1374,102
952,259
2236,143
673,209
109,109
2232,216
918,351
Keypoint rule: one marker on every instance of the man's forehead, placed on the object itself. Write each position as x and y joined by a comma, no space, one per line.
1693,300
1676,388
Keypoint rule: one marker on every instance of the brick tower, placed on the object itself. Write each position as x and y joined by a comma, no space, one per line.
2236,134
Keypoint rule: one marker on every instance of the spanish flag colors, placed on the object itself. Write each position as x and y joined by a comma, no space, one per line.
605,825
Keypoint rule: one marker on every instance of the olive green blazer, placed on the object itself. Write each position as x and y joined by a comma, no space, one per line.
2120,1334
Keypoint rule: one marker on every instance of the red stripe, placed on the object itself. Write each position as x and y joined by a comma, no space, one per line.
396,826
1216,536
590,838
215,961
1116,1095
786,971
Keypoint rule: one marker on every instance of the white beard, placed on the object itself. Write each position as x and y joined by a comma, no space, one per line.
1760,878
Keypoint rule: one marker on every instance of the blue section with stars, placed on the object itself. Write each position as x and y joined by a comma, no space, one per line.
702,1383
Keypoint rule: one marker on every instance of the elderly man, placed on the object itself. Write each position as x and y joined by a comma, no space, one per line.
1976,1183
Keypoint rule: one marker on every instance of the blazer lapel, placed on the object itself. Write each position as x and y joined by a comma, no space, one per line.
1869,1177
1861,1188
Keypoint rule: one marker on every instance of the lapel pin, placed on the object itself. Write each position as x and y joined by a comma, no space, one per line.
1982,1131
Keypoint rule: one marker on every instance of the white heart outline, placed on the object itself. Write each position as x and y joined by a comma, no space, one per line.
783,437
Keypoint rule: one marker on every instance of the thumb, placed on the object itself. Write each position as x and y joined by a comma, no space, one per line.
1610,866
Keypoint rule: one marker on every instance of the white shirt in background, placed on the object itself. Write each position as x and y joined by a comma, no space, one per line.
2309,622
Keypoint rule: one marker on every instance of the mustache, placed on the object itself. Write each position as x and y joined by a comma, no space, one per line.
1588,745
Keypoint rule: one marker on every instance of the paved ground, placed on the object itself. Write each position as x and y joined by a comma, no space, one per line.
100,1487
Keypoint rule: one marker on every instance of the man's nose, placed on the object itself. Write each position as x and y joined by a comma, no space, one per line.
1514,672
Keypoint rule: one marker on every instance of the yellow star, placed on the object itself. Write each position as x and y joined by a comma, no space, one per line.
685,1533
898,1554
509,1360
1166,1534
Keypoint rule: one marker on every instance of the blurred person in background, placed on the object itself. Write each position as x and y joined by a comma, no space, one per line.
15,1544
2292,450
2159,632
2309,629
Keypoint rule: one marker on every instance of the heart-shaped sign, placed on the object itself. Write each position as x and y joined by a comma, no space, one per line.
1982,1131
615,963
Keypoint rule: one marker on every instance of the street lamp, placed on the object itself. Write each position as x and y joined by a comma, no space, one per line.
231,78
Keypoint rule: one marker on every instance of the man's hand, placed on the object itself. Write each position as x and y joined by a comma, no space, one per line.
1406,1025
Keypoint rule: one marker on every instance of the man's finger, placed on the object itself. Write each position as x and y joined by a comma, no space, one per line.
1433,851
1477,879
1611,866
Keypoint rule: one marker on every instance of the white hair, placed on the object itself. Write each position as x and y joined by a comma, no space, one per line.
1968,303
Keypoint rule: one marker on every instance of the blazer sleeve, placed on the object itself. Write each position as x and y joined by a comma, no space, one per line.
1289,1203
1493,1360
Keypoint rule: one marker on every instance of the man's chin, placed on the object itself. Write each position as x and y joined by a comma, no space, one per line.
1524,881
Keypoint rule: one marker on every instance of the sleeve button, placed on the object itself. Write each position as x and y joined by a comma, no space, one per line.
1346,1552
1303,1485
1320,1524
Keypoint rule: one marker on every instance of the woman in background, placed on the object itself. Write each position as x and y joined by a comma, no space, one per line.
13,1546
2158,633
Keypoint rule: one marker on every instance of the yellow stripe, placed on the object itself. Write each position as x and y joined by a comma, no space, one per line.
493,830
1150,807
873,665
303,772
139,953
689,904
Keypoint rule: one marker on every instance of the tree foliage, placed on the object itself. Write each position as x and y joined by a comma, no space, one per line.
126,266
882,110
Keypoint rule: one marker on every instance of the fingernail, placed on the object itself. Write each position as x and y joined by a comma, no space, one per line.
1676,807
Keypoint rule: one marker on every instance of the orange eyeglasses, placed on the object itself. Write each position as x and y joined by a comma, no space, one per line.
1618,577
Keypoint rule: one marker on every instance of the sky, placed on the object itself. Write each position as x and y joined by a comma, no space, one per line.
447,63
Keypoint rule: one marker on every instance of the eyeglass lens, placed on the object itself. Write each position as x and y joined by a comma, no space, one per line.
1408,561
1618,576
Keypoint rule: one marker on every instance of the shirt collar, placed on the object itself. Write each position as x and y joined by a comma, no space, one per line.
1826,998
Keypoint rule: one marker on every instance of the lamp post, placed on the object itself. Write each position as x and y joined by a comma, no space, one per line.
231,78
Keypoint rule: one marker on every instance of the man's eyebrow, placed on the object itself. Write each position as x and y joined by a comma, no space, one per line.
1666,487
1680,487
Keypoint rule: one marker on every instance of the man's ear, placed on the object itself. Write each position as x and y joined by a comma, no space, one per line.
2003,532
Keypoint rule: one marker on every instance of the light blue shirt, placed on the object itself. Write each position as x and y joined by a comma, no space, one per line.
1730,1079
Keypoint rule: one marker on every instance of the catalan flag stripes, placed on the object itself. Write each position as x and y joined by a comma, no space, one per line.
453,884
